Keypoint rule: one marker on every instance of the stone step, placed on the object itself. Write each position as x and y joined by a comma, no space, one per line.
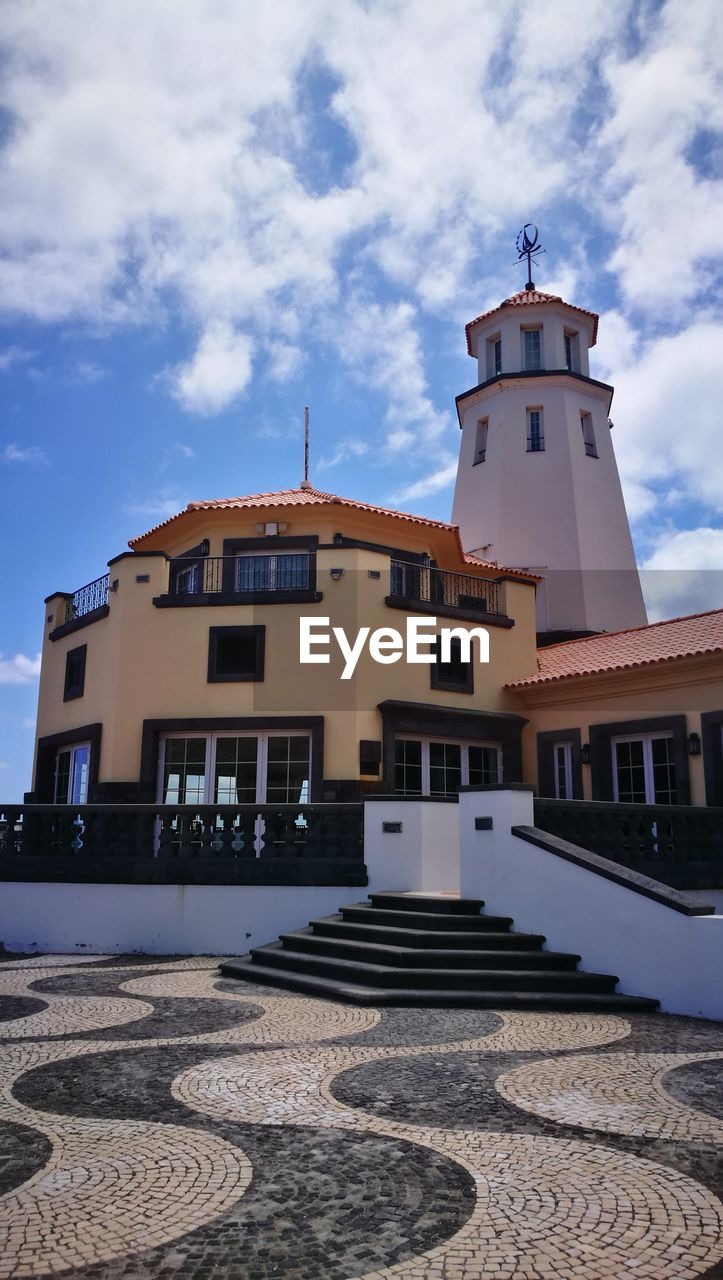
276,956
436,903
424,919
335,927
427,957
356,993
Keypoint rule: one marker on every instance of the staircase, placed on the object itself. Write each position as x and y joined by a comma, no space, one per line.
416,949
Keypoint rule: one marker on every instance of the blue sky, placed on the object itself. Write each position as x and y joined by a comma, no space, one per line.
207,223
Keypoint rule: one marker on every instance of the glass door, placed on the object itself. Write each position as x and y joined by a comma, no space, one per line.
71,774
644,769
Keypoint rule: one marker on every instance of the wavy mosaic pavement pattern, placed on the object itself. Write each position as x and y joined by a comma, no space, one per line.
116,1188
594,1208
114,1195
67,1015
552,1209
614,1093
285,1018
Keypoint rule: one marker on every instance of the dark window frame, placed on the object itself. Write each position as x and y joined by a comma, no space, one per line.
272,545
217,633
44,781
427,720
75,689
546,761
711,729
153,729
601,758
465,685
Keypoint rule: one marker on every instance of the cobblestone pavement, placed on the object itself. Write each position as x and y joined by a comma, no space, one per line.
160,1123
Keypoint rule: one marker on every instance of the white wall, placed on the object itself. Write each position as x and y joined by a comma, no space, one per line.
423,857
654,950
227,919
159,919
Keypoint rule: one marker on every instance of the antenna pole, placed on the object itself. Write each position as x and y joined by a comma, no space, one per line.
305,484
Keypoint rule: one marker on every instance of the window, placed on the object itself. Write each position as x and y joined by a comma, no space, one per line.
71,774
532,348
224,768
235,654
455,674
480,443
432,767
535,431
572,352
588,434
644,769
187,579
494,356
75,673
562,770
282,572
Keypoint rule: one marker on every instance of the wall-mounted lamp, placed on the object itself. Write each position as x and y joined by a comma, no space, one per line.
338,539
693,744
336,574
205,547
585,753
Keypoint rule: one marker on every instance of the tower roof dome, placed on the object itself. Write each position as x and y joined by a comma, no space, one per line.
530,298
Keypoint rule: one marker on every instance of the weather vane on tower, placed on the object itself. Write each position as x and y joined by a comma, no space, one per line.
528,246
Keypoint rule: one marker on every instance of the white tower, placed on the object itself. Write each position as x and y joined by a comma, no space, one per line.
537,482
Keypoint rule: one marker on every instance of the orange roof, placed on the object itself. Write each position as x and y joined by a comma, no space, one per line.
529,298
316,497
689,637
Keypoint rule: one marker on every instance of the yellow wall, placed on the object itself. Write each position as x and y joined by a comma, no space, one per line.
145,662
688,687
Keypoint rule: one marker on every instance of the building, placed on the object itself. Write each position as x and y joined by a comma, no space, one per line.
537,482
177,677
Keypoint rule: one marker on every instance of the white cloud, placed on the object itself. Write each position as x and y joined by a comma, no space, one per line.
216,374
665,213
381,346
178,452
30,454
87,372
159,506
145,174
344,450
19,669
12,356
684,573
441,478
667,419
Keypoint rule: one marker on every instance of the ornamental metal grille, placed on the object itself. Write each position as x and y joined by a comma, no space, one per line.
92,596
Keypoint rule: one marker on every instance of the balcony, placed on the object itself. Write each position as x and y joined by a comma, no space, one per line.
87,604
428,590
280,578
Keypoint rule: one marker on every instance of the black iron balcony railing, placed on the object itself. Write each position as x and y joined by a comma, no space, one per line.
681,845
94,595
183,844
421,584
247,575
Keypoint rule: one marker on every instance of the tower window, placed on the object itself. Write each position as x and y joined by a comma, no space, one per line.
494,356
588,434
532,348
480,444
572,352
535,431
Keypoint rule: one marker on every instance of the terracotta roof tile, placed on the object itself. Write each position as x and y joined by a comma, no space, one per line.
529,298
689,637
317,497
